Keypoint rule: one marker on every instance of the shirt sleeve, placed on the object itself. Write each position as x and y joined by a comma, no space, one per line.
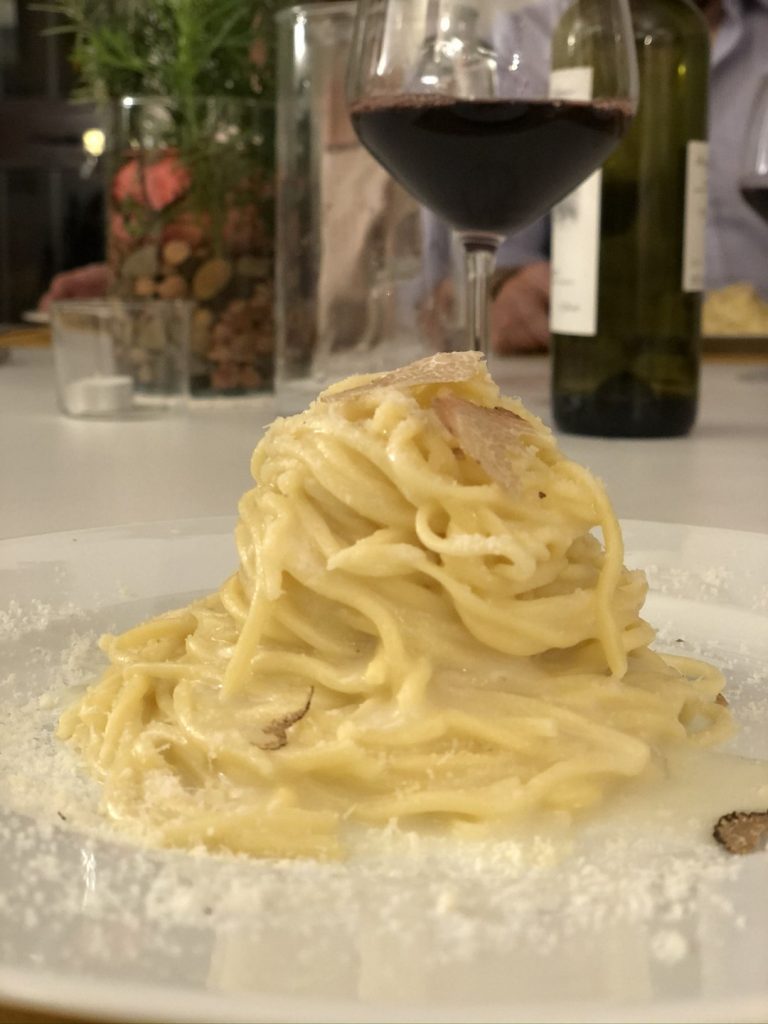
526,246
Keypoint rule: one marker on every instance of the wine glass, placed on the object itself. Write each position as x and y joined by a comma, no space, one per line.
753,182
489,112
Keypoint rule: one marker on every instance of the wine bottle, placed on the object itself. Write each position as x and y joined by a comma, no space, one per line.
628,247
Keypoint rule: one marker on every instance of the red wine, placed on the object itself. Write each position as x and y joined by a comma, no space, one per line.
755,192
488,165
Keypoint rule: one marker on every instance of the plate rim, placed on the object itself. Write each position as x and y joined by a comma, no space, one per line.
150,1002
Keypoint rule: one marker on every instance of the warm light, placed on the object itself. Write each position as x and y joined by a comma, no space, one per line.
94,142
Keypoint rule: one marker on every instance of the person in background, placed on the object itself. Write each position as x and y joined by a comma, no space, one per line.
89,282
737,239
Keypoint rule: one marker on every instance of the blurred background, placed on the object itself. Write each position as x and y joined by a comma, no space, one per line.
50,189
318,254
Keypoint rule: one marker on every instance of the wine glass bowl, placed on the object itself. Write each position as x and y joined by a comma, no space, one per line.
753,182
490,114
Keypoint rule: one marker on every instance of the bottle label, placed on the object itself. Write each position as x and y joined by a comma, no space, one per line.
694,240
575,232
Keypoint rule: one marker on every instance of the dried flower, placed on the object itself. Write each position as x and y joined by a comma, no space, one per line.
157,184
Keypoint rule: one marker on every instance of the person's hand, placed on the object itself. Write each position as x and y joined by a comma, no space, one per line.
89,282
520,310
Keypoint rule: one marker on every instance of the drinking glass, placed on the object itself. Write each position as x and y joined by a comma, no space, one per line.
754,173
489,112
116,359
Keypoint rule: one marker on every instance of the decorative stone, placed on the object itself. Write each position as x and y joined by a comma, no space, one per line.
141,262
243,347
202,318
253,266
211,278
144,287
261,298
262,340
225,376
220,354
221,333
173,287
176,252
152,336
250,379
237,315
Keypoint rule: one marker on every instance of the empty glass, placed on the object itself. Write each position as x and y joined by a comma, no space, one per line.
115,358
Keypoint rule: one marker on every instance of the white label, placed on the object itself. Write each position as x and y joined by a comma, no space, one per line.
694,244
575,232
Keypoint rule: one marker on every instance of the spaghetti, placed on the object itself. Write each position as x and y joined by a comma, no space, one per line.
422,627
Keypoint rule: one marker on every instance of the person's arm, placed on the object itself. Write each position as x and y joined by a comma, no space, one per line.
89,282
520,308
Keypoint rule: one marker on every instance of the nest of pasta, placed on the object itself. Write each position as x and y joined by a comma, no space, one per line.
424,626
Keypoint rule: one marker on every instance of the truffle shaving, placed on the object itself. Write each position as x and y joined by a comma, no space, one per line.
441,368
276,732
743,831
486,435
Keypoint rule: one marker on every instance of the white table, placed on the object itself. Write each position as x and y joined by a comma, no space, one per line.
65,474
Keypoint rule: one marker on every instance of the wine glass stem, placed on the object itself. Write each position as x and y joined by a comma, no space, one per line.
479,261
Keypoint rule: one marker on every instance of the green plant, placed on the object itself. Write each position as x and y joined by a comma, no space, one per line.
170,47
183,50
188,88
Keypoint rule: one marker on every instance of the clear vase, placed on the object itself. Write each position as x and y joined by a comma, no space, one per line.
349,238
191,216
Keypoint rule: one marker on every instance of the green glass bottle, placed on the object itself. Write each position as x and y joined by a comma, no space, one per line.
628,248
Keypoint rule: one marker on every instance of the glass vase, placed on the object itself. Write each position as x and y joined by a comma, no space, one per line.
191,216
349,238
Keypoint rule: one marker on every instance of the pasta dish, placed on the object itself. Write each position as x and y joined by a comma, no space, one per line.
424,626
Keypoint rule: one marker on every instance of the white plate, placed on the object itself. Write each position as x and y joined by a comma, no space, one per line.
92,925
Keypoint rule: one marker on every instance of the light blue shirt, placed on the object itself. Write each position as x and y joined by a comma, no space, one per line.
737,239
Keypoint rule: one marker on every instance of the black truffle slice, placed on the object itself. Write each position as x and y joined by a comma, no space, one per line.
743,831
